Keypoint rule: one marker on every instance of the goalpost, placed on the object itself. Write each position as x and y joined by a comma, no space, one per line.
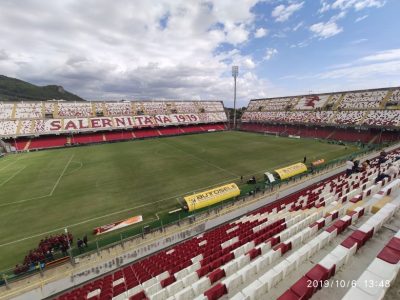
276,134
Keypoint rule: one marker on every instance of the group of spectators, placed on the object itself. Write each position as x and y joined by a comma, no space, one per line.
353,166
45,251
392,170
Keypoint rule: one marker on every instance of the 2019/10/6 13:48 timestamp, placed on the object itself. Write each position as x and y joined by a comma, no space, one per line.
349,283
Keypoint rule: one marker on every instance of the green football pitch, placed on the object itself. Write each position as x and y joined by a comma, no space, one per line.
43,192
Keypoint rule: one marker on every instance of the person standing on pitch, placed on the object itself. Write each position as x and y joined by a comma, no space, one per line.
85,240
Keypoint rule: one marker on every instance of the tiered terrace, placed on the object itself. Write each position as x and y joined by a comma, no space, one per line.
261,253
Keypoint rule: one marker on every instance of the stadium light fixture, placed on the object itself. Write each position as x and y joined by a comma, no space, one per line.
235,73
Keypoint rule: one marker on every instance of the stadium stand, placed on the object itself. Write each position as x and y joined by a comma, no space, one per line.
363,100
57,124
383,118
249,257
394,98
311,102
353,110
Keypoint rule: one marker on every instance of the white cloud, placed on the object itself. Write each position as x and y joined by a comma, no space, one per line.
298,26
359,19
339,16
300,44
171,49
261,32
373,71
325,30
237,35
392,54
279,35
383,63
364,71
359,41
349,4
282,13
357,4
325,6
4,55
271,52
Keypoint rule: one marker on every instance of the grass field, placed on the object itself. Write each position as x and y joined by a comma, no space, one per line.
81,188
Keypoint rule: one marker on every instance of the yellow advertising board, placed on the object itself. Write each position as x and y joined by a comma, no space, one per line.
210,197
291,171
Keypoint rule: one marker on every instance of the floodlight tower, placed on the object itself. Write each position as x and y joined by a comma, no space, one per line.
235,73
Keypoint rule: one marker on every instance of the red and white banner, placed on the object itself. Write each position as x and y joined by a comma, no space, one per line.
115,122
79,124
117,225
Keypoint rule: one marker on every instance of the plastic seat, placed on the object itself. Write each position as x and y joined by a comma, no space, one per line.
389,255
216,292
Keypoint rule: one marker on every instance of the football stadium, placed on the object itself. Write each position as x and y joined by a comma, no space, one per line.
190,196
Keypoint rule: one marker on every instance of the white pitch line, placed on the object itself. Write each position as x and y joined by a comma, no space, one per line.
180,195
62,174
44,196
11,177
5,160
203,160
100,217
114,213
77,169
22,201
10,164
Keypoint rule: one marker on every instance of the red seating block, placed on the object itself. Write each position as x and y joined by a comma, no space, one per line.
274,240
331,229
216,275
389,255
283,247
119,289
303,289
228,257
167,281
350,241
340,225
253,253
394,243
362,237
289,295
206,260
361,212
203,271
355,199
139,296
320,274
216,292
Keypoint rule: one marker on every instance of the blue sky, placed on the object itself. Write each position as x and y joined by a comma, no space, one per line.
327,47
177,49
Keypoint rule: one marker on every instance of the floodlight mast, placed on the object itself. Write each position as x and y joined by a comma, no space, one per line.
235,73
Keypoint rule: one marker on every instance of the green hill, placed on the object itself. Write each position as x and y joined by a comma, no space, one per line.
15,89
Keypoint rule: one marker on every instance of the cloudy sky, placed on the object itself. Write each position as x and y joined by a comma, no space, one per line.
180,49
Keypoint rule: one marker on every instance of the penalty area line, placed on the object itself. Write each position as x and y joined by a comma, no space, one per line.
61,175
202,160
44,196
12,176
10,164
